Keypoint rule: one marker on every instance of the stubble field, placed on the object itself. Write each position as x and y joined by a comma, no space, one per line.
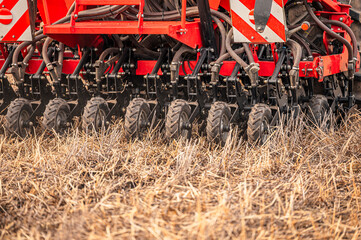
303,183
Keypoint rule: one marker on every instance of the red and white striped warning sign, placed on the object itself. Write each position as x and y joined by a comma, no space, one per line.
243,20
14,21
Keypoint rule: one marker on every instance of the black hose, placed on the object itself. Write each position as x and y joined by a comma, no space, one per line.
43,64
304,44
348,30
61,53
222,30
227,55
178,55
29,54
106,52
7,63
248,52
24,45
233,54
296,50
45,50
81,63
329,31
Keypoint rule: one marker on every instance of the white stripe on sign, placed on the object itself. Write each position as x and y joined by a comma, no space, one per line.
238,35
26,36
18,10
3,17
277,12
243,12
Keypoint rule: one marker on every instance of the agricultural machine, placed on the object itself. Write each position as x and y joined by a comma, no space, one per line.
173,63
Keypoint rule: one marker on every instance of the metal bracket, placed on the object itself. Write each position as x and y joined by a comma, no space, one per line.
262,13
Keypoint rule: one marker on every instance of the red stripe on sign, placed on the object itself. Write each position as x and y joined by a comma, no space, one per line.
9,4
245,29
248,3
277,27
18,29
279,2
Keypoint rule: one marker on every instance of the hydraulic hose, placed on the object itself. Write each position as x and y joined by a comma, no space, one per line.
81,63
222,16
30,54
304,44
45,50
24,45
95,13
233,54
43,65
248,52
348,30
106,52
296,50
222,30
174,67
102,16
227,55
178,55
142,48
217,65
329,31
101,66
174,15
61,53
118,41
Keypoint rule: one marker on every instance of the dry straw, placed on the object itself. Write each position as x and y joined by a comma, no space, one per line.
303,183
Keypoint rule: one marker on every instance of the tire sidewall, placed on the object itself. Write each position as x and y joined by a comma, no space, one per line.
143,108
62,108
14,128
186,110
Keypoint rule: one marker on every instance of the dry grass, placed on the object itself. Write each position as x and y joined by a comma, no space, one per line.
303,183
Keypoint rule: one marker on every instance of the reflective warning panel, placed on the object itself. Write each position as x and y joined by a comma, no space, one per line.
15,21
244,21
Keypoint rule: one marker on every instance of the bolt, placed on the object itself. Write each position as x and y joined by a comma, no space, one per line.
13,36
252,37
